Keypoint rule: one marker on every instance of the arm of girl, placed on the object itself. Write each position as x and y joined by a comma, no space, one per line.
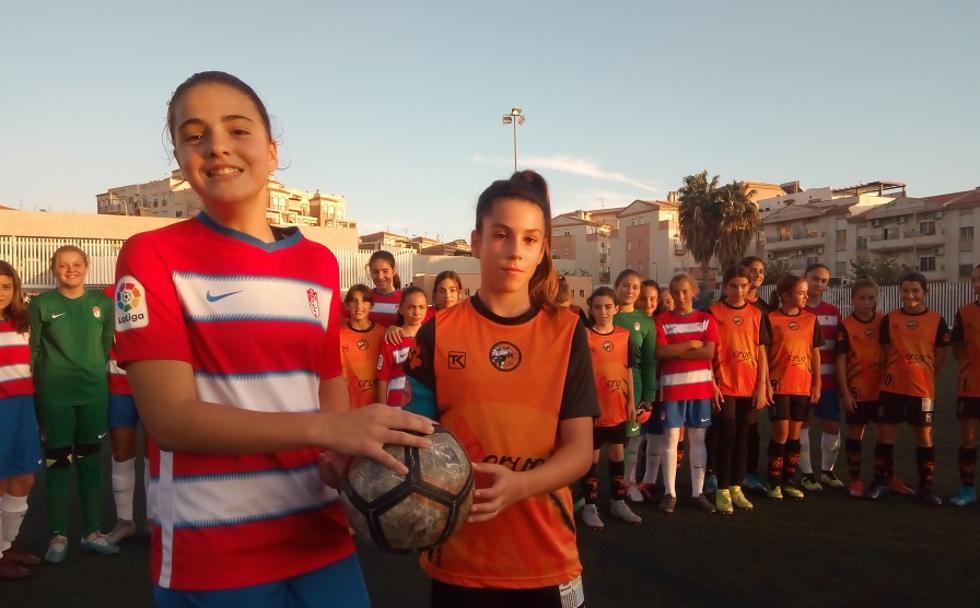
705,351
394,335
166,396
630,397
34,339
763,392
846,399
569,462
648,366
815,371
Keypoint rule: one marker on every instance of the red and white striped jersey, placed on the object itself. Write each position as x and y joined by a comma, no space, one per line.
259,324
828,316
15,362
686,379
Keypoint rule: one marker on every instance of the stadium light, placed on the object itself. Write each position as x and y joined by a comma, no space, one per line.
515,117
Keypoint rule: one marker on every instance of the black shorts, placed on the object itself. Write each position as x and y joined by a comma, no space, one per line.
790,407
569,595
865,412
968,408
894,408
601,435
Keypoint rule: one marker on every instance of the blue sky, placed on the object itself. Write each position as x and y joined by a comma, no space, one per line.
397,105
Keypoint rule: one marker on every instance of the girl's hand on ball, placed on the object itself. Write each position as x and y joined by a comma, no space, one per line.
506,489
365,431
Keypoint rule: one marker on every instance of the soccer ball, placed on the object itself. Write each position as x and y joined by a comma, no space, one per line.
414,512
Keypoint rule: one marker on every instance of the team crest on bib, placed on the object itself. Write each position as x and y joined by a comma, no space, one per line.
131,310
869,332
607,346
314,301
738,320
96,312
912,324
505,356
362,344
794,325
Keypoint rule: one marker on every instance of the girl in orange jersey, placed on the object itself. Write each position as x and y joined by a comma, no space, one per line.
609,346
360,343
914,338
741,379
966,347
794,373
860,367
511,377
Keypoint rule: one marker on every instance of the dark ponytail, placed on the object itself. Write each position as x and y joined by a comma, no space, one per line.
784,285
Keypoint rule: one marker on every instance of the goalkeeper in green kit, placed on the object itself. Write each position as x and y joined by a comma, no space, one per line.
71,333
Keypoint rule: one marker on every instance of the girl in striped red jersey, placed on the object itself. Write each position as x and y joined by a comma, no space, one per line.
794,373
387,288
229,331
20,446
827,411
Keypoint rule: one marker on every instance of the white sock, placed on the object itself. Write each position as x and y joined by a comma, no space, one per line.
632,458
698,458
805,467
146,488
654,454
829,448
669,459
13,509
123,485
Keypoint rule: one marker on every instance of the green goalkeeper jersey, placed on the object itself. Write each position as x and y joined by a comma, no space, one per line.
70,341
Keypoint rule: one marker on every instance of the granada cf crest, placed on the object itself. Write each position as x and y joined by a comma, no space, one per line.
314,301
505,356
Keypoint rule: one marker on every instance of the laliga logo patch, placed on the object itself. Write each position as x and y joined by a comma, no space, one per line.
607,346
131,302
505,356
794,325
362,344
738,320
314,302
912,324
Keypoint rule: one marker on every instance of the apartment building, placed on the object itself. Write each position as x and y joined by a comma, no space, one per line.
578,236
173,197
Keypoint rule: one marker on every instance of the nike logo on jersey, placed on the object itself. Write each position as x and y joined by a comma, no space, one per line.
60,314
214,298
102,436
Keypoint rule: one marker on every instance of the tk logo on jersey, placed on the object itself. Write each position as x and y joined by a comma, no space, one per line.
457,359
505,356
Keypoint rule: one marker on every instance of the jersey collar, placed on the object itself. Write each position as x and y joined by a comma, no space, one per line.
485,312
285,237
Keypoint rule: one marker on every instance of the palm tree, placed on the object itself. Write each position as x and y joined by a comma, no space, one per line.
700,219
739,222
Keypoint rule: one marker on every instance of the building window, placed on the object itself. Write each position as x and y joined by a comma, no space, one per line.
180,213
812,259
568,252
581,293
927,264
927,227
862,243
629,245
966,233
841,269
785,233
966,270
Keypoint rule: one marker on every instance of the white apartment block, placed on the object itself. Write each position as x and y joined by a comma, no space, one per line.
173,197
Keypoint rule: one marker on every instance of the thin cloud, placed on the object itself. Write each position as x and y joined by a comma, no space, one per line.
567,163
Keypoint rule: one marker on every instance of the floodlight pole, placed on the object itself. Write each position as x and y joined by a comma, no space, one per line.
515,116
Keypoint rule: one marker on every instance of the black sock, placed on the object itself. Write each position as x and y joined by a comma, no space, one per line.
590,486
792,459
853,449
968,465
617,480
883,460
777,457
926,459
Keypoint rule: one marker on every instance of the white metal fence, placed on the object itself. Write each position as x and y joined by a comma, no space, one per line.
944,298
31,256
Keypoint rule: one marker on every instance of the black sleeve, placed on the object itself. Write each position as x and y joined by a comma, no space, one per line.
419,364
843,344
765,331
579,397
883,336
958,329
817,335
942,333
